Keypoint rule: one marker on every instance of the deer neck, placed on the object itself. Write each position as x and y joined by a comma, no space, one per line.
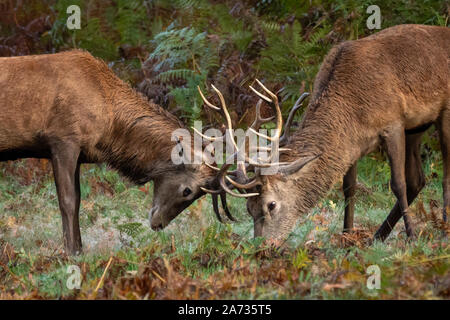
138,142
338,141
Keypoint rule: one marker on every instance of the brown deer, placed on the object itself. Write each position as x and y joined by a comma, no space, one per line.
71,108
382,90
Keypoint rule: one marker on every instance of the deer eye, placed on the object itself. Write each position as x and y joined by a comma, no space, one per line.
186,192
271,205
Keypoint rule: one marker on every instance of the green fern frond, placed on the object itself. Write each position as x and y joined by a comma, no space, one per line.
132,229
174,74
271,26
188,4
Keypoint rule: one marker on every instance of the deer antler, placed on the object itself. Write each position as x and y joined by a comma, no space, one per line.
287,127
273,100
223,171
240,174
229,129
258,119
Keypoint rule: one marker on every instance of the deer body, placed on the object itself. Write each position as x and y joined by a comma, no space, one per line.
367,93
74,97
71,108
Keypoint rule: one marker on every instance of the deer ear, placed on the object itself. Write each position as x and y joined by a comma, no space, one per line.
296,165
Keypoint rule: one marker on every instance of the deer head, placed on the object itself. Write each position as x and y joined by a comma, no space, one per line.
270,200
176,189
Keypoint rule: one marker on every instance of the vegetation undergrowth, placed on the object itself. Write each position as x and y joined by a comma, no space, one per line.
165,49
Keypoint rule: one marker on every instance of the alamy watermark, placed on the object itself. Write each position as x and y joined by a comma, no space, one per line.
74,280
74,20
374,279
374,20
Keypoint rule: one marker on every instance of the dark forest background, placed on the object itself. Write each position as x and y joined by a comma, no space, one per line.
166,48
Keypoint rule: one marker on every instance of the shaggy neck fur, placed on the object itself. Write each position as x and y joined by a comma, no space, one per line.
138,141
334,139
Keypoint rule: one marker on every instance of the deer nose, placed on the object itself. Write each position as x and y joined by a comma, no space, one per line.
157,227
155,221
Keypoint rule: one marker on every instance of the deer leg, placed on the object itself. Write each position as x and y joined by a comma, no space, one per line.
66,170
444,138
395,147
415,181
349,187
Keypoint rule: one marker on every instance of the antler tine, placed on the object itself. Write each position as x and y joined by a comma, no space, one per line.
260,95
223,184
216,207
210,191
224,107
249,185
277,107
227,116
207,137
223,174
223,200
262,135
241,175
209,104
214,195
212,167
274,103
258,119
265,89
287,126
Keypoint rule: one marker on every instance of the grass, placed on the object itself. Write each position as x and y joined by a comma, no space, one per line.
196,257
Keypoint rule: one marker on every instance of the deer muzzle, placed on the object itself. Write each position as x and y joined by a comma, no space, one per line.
155,218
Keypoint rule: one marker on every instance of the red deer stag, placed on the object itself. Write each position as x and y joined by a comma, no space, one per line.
385,90
71,108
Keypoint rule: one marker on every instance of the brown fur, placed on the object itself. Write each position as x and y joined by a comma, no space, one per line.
71,108
87,103
397,79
